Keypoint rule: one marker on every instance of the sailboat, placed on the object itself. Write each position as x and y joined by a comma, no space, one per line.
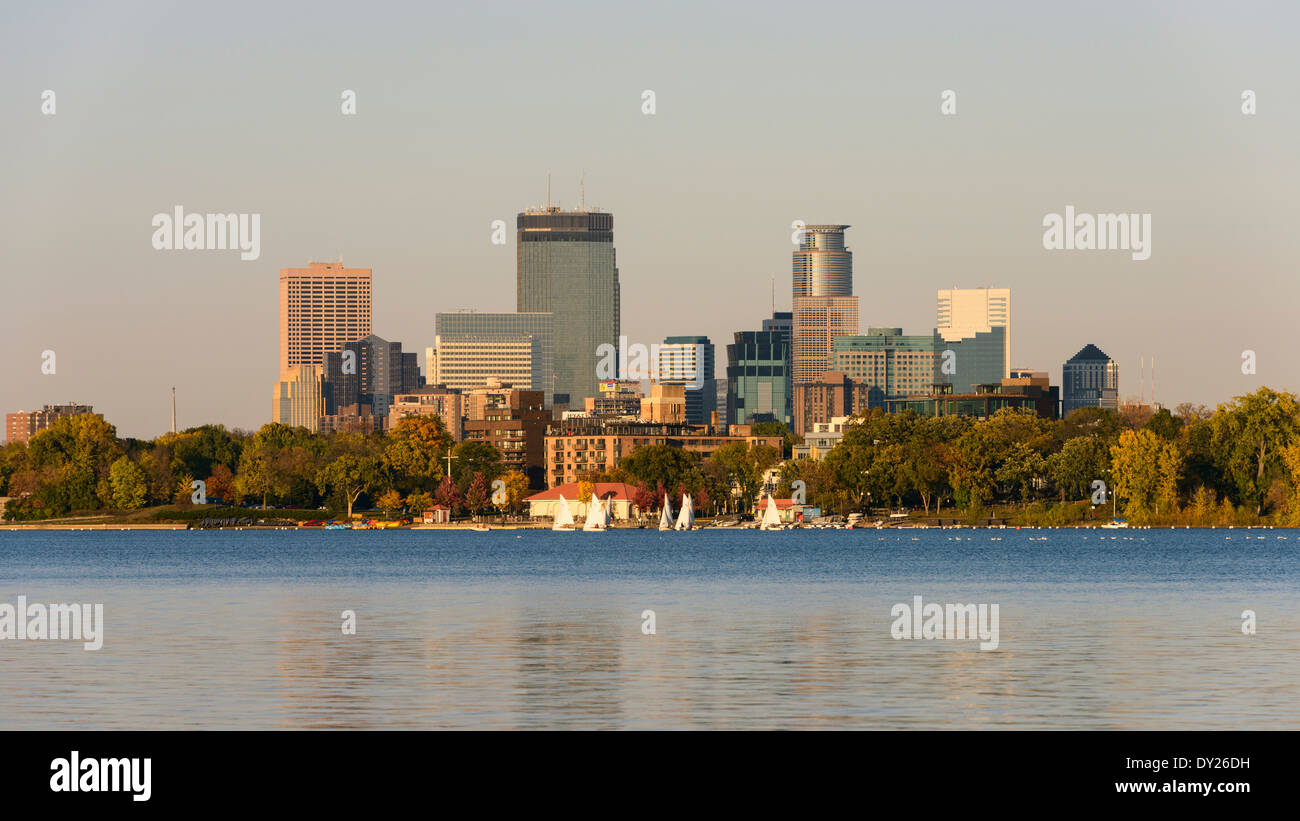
771,517
686,519
666,515
597,517
563,517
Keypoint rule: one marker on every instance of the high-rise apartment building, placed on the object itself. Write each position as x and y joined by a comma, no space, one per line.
431,400
566,267
757,385
322,308
369,371
964,312
514,422
474,349
23,425
1089,379
823,303
689,361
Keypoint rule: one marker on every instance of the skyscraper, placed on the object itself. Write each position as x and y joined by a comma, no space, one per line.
322,308
566,267
823,303
298,400
1089,379
964,312
369,371
757,364
689,361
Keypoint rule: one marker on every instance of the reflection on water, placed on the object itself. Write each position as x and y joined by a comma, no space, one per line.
242,630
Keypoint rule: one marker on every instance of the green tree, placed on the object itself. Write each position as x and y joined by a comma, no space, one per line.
390,501
516,490
350,476
129,484
1145,471
415,449
1249,434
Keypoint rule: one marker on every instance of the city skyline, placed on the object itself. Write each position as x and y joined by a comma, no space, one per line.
706,188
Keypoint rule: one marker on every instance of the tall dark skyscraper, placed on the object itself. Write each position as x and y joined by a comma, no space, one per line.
1089,379
566,267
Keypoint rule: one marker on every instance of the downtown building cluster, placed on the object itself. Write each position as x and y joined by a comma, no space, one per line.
532,382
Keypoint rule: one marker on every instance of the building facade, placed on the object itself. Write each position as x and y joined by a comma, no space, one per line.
514,422
566,267
823,305
577,448
1089,379
886,364
299,398
431,400
369,371
322,308
830,396
964,312
23,425
690,361
758,366
473,349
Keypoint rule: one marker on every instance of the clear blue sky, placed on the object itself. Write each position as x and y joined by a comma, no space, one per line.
766,114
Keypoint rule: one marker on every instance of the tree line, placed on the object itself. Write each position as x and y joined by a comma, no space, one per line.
79,465
1238,464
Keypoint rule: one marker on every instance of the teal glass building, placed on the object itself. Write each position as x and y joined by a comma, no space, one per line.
758,367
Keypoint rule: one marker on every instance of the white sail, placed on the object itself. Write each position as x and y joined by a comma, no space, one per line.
666,515
595,516
686,519
771,517
563,517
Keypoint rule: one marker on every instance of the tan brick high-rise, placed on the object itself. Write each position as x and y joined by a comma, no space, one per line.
322,308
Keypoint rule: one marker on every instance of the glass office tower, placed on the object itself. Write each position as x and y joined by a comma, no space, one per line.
757,387
566,268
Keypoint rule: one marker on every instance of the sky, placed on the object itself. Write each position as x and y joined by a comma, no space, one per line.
764,114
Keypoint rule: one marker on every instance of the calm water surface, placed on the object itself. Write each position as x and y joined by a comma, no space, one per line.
536,629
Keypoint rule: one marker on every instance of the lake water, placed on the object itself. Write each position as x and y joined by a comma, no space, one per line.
534,629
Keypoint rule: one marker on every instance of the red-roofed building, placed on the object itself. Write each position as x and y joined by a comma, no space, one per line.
543,505
437,515
788,509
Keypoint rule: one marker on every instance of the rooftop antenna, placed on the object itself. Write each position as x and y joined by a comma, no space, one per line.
548,189
173,409
1142,375
582,186
774,296
1153,381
